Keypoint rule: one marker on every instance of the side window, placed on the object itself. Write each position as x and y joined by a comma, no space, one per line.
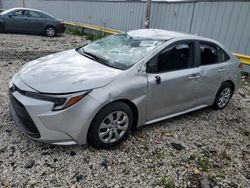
176,57
17,13
222,56
211,54
26,13
34,14
208,54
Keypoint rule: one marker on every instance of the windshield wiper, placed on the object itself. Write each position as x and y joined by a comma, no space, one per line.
86,54
95,57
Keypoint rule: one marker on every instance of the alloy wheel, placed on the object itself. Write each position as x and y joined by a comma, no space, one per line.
113,127
50,32
224,97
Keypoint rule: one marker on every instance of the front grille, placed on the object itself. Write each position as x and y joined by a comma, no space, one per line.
25,121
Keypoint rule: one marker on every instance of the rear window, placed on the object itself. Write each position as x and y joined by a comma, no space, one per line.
211,54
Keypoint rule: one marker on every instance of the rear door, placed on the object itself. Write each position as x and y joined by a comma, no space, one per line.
173,80
36,21
214,65
15,21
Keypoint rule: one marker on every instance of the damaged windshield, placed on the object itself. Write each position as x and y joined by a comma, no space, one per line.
120,51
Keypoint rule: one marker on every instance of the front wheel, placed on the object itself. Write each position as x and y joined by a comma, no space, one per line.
223,96
111,125
50,31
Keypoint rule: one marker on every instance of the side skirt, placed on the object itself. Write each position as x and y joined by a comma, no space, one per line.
174,115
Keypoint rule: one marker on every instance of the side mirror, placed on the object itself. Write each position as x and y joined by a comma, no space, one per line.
10,16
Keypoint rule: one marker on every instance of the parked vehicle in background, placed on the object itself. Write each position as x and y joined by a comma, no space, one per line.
25,20
97,93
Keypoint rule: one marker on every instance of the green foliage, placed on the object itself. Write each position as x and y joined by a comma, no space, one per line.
204,164
73,30
166,182
95,37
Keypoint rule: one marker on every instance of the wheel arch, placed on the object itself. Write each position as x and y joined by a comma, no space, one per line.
131,105
231,83
134,109
91,132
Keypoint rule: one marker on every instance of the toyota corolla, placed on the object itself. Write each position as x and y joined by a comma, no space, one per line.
98,93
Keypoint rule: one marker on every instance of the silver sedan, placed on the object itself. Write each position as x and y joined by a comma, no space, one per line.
100,92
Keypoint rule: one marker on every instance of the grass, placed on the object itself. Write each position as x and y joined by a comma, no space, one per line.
74,31
167,182
204,164
71,30
221,174
225,155
244,132
245,84
160,154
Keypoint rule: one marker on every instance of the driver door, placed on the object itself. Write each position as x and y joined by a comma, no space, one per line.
173,81
15,21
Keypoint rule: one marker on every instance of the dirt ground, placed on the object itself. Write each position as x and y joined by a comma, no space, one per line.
214,150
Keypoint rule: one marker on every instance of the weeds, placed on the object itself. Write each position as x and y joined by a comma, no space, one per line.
225,155
73,30
166,182
204,164
244,132
93,37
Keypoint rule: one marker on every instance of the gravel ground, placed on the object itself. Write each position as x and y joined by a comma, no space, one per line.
199,149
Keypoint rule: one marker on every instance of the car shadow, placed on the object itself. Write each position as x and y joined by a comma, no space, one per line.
176,118
35,34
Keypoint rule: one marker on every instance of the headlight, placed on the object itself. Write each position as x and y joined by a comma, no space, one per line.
60,101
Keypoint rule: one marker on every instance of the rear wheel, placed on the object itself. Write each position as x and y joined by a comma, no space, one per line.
111,125
223,96
50,31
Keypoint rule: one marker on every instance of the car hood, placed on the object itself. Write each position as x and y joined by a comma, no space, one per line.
66,72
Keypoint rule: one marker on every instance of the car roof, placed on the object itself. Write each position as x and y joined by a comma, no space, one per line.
21,8
160,34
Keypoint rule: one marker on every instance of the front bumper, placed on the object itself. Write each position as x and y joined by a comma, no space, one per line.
36,119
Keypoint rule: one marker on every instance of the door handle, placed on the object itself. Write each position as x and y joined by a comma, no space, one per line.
194,76
221,70
158,80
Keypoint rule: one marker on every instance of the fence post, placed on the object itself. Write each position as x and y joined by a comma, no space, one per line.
23,3
147,17
192,18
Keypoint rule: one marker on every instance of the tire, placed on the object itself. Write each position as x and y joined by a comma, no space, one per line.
110,126
50,31
223,96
